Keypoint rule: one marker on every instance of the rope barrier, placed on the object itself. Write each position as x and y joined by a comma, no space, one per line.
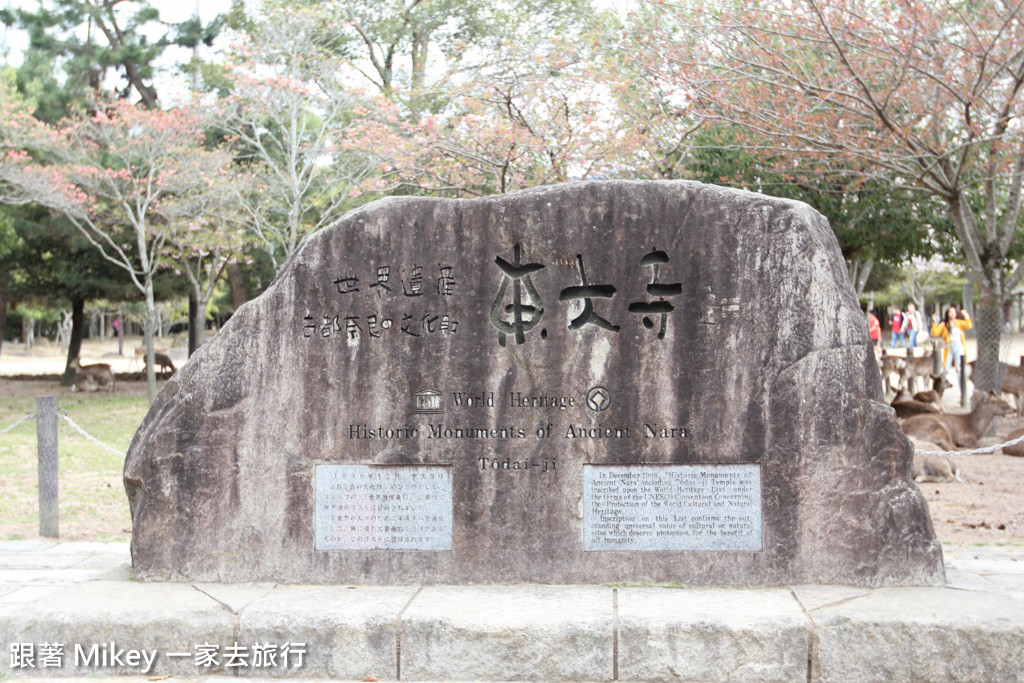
28,416
64,416
976,451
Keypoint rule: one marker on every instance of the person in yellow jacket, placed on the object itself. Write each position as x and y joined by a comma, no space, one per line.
951,330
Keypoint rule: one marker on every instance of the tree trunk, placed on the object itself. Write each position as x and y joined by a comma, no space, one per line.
862,278
148,327
5,277
120,331
987,369
237,284
75,343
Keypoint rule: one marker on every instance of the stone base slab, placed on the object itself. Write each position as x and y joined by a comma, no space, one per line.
537,633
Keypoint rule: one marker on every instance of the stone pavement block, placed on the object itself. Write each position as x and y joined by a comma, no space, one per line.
51,577
966,580
106,563
509,633
39,561
92,548
709,635
1007,583
235,596
348,632
33,546
116,616
22,595
926,634
815,597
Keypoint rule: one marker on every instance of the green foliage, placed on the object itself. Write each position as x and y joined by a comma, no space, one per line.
939,287
871,219
8,235
73,44
52,261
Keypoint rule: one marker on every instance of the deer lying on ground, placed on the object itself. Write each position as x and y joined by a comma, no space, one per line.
948,430
98,374
935,468
84,384
1016,449
908,407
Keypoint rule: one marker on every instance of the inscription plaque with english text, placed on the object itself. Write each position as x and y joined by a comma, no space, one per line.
672,507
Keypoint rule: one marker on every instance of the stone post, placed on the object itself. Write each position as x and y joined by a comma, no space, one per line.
46,434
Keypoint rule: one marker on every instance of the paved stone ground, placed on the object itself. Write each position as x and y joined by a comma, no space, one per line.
82,596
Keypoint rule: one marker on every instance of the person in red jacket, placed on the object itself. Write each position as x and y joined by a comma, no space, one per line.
897,328
874,329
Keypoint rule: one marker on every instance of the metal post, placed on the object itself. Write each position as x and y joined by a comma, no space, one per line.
46,434
963,381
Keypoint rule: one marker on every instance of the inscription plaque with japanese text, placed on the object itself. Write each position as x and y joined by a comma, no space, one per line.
389,508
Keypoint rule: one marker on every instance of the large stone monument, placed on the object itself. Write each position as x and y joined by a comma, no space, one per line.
595,382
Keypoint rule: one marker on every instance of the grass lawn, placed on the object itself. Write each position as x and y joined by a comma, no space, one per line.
93,505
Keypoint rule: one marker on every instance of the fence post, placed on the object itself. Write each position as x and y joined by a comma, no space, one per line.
46,434
963,380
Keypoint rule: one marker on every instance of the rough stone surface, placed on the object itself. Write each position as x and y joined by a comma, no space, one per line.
381,320
514,633
349,633
921,634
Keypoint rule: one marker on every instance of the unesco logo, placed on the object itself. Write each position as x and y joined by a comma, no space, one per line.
598,399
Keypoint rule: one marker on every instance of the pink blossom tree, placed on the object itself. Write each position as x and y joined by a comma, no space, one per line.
536,109
210,232
121,176
292,119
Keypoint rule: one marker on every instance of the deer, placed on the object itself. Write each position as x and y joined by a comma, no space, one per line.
1016,449
160,358
887,366
960,430
908,407
98,374
163,361
1013,383
84,384
934,395
139,357
935,468
914,367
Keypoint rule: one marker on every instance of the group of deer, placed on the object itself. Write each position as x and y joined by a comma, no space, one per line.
930,428
100,375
